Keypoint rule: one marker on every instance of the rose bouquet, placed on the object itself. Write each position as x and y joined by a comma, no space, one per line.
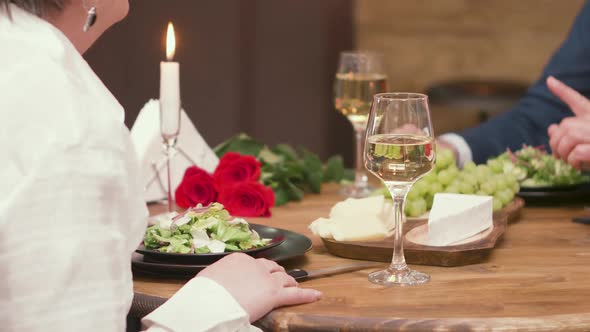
252,177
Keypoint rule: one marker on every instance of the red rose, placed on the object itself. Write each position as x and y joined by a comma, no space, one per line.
197,186
248,199
234,168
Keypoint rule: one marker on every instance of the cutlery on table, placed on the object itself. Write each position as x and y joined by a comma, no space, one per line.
300,274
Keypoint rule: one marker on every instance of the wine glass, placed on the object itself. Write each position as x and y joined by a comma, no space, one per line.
360,75
169,129
399,150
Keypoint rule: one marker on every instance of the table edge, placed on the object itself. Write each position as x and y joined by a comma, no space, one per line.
288,321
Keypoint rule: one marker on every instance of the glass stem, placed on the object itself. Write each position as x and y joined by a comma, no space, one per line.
168,171
359,176
398,193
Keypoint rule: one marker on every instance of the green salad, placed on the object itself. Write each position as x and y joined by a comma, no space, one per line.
534,167
202,230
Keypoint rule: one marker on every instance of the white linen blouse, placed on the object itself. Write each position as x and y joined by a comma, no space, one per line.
71,201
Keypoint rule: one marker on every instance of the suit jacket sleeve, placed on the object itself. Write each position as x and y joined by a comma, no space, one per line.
528,120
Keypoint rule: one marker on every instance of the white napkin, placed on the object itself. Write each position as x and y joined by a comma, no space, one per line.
191,150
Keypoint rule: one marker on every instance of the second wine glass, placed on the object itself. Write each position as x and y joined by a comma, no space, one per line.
399,150
360,76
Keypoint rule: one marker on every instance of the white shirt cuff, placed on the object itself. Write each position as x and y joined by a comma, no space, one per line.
464,153
200,305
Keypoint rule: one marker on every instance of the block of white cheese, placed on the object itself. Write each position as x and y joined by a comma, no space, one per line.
456,217
362,219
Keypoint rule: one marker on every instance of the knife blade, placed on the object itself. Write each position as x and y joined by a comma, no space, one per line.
301,274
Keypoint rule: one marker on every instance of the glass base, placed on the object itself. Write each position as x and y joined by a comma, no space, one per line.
403,277
356,191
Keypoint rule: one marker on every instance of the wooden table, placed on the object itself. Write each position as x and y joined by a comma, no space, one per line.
538,279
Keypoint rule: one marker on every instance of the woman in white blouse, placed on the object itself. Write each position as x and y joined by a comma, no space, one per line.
71,208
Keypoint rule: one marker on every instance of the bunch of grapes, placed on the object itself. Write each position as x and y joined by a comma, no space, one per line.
488,180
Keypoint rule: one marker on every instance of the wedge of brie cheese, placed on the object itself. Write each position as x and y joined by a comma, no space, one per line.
362,219
456,217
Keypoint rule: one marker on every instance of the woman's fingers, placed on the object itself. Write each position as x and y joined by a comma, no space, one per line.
284,280
270,266
295,295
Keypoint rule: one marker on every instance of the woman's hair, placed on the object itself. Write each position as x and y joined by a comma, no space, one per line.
37,7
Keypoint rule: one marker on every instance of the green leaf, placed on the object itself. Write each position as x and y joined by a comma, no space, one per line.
240,143
295,193
313,171
286,151
334,169
348,175
281,196
269,157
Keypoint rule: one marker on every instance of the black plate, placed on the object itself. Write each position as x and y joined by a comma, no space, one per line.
293,246
568,187
551,196
275,234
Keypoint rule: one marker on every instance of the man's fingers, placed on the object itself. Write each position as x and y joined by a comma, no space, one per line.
565,147
579,104
295,295
555,138
552,128
580,154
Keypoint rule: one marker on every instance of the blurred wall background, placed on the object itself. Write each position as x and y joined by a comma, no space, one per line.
428,41
266,67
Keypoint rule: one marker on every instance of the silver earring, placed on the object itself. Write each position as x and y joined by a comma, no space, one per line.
90,19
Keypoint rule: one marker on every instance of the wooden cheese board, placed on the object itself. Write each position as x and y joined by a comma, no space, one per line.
471,251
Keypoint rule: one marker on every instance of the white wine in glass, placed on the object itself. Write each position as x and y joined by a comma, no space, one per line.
399,150
360,76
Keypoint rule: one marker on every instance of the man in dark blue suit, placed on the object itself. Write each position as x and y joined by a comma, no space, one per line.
547,102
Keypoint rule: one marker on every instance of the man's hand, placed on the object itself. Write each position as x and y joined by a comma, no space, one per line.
570,140
258,285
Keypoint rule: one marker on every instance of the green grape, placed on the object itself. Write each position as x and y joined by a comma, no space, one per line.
414,193
507,196
452,189
444,159
445,177
469,166
453,170
515,187
501,182
429,200
497,204
430,177
481,193
504,196
421,187
482,173
496,166
466,188
416,208
488,187
469,178
435,188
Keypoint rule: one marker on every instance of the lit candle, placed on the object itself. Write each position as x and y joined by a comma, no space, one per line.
170,90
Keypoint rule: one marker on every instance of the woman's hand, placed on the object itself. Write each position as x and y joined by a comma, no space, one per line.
258,285
570,140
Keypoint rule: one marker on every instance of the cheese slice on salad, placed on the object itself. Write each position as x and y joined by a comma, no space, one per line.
456,217
362,219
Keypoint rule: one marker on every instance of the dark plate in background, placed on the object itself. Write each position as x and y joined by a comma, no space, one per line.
275,234
552,196
294,245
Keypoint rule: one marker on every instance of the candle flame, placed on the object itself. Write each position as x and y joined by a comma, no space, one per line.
170,42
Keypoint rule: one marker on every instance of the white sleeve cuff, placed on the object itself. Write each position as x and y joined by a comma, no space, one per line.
200,305
464,153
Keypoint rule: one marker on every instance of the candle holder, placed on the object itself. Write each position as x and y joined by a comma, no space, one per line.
169,107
